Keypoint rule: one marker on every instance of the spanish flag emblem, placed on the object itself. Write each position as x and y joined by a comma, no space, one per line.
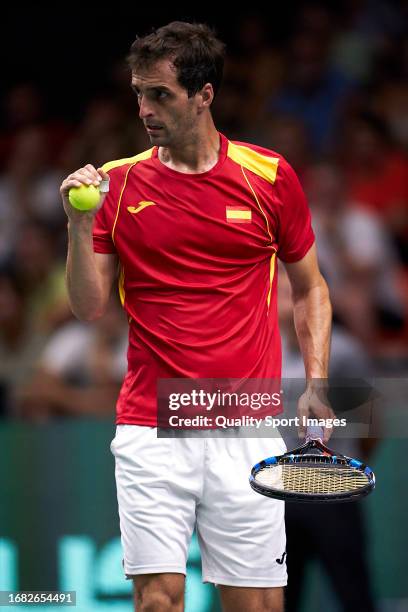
238,214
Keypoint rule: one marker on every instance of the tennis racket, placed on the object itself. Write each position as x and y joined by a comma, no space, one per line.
312,473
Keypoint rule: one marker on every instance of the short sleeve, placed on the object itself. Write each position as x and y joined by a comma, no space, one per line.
295,234
102,232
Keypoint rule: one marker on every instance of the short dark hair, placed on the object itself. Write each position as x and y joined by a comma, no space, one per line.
195,51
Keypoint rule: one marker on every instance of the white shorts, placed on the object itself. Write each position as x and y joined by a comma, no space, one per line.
168,486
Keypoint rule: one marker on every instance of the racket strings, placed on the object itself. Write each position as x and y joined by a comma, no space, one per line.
310,479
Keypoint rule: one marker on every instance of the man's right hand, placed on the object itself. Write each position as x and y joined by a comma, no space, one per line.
88,175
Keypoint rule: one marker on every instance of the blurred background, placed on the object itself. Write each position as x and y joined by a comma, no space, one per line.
325,85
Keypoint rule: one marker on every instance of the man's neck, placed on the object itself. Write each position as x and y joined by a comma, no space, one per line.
197,155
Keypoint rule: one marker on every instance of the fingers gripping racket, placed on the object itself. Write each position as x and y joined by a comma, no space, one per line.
312,473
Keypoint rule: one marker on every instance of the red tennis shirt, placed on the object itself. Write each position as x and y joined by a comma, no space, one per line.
198,266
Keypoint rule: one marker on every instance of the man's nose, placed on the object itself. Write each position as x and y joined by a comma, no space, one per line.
144,108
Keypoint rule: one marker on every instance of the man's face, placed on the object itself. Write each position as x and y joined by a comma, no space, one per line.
167,112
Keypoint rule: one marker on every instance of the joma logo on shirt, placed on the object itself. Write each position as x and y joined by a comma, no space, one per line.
139,207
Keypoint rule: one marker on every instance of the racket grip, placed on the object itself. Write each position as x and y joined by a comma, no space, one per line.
314,432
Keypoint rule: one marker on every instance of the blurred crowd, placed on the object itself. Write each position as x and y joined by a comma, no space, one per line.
332,99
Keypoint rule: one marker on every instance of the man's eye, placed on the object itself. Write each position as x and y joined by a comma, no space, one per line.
160,95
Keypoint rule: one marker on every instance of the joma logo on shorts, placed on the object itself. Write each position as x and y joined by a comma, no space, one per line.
281,560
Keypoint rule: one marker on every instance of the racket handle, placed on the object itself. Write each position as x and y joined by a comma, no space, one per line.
314,432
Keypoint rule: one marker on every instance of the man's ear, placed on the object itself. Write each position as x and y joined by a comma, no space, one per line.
206,96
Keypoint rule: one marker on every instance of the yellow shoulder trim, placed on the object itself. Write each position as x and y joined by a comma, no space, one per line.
127,160
262,165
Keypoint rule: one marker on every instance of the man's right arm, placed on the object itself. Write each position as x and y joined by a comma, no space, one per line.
90,275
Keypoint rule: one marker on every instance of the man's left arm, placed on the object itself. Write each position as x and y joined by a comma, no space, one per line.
312,317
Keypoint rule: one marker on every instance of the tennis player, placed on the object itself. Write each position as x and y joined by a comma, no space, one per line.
195,225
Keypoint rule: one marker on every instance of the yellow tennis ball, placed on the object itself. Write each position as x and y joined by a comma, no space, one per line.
84,197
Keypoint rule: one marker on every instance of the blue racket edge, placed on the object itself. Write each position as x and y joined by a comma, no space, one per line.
312,497
311,449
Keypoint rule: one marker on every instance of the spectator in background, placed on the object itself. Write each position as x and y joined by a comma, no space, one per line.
376,174
28,187
41,275
253,47
391,103
80,370
367,31
20,343
356,256
24,107
315,92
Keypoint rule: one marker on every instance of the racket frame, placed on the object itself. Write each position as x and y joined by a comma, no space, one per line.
312,449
